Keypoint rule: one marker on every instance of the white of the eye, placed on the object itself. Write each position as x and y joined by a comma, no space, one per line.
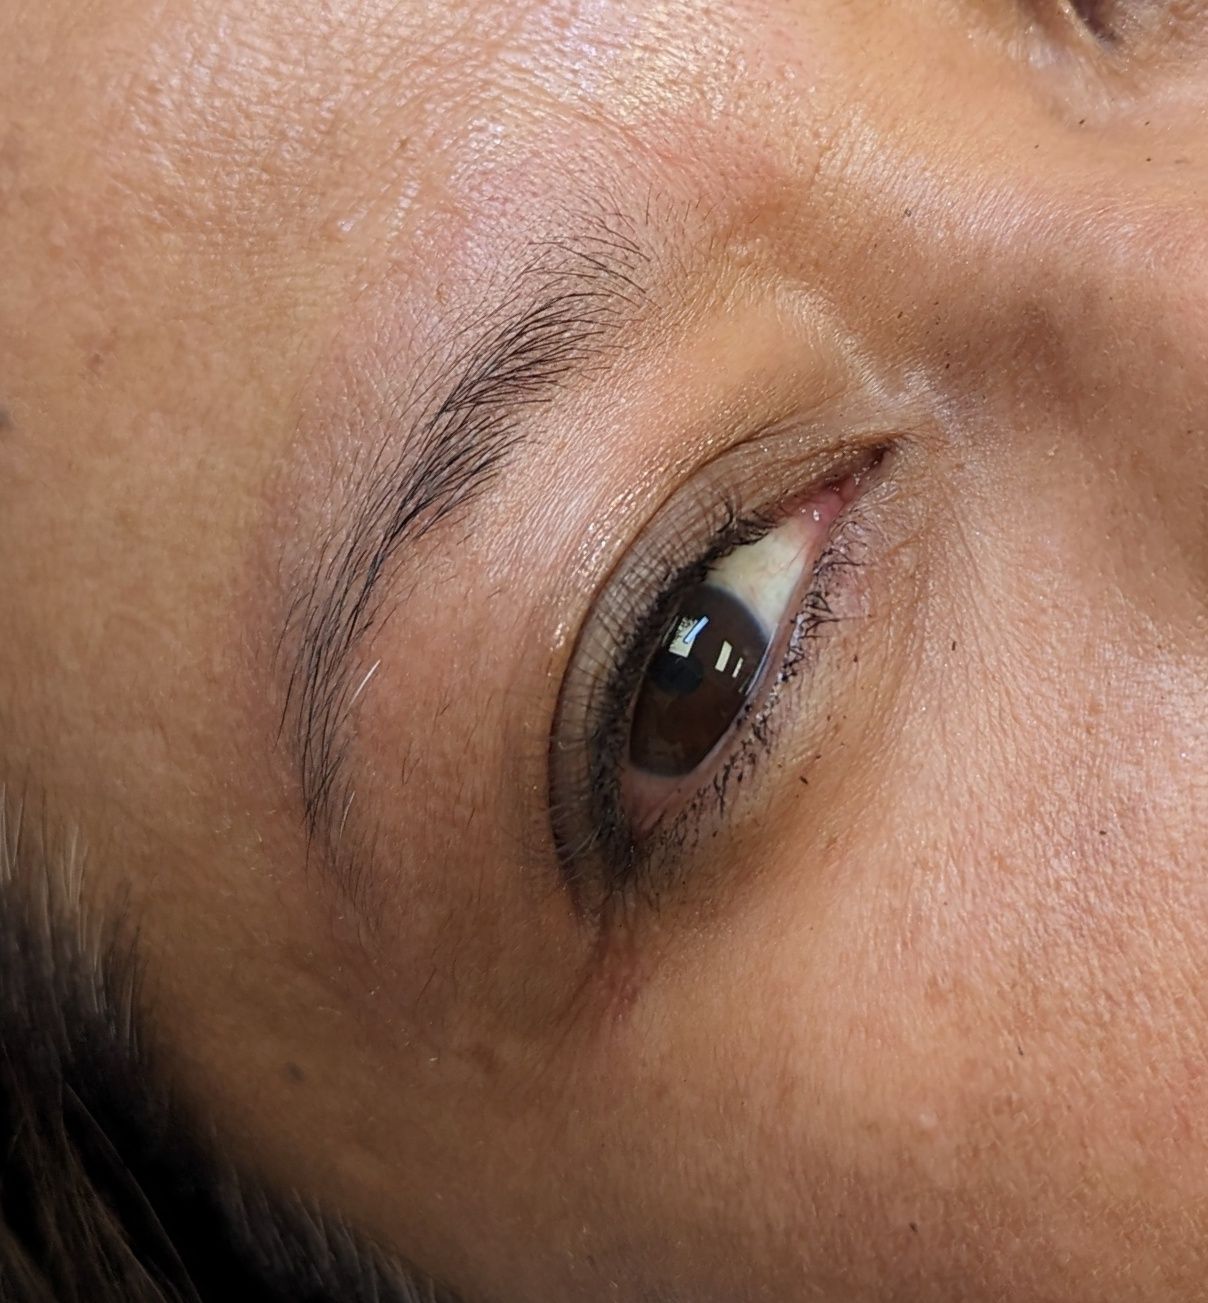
767,575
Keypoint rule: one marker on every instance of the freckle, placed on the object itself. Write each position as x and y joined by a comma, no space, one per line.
6,420
294,1073
914,1226
954,644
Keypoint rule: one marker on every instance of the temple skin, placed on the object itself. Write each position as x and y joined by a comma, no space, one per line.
922,1016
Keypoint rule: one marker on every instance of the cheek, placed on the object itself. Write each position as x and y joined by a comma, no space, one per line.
1023,977
973,1031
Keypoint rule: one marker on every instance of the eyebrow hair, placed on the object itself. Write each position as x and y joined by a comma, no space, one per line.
561,317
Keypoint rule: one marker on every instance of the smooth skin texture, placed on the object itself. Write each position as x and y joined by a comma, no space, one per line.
923,1017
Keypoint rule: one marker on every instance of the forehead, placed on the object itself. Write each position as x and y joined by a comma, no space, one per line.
353,125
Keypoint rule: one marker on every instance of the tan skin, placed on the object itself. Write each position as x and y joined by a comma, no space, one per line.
922,1015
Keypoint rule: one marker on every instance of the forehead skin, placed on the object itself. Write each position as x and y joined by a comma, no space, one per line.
936,1028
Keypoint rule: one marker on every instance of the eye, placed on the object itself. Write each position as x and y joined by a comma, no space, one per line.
713,656
685,656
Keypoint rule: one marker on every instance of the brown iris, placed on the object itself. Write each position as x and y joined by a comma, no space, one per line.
697,683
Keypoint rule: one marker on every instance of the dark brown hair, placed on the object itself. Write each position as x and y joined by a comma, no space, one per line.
110,1191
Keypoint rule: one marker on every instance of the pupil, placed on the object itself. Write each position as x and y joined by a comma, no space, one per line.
697,682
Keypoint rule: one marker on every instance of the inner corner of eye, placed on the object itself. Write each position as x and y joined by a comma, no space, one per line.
710,664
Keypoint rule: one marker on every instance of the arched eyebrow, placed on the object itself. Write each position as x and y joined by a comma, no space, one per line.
561,318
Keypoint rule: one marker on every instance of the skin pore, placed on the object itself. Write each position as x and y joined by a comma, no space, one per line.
917,1010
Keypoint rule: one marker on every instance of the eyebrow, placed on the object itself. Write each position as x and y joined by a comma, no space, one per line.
560,318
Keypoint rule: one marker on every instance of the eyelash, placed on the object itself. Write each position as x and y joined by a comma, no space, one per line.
633,624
